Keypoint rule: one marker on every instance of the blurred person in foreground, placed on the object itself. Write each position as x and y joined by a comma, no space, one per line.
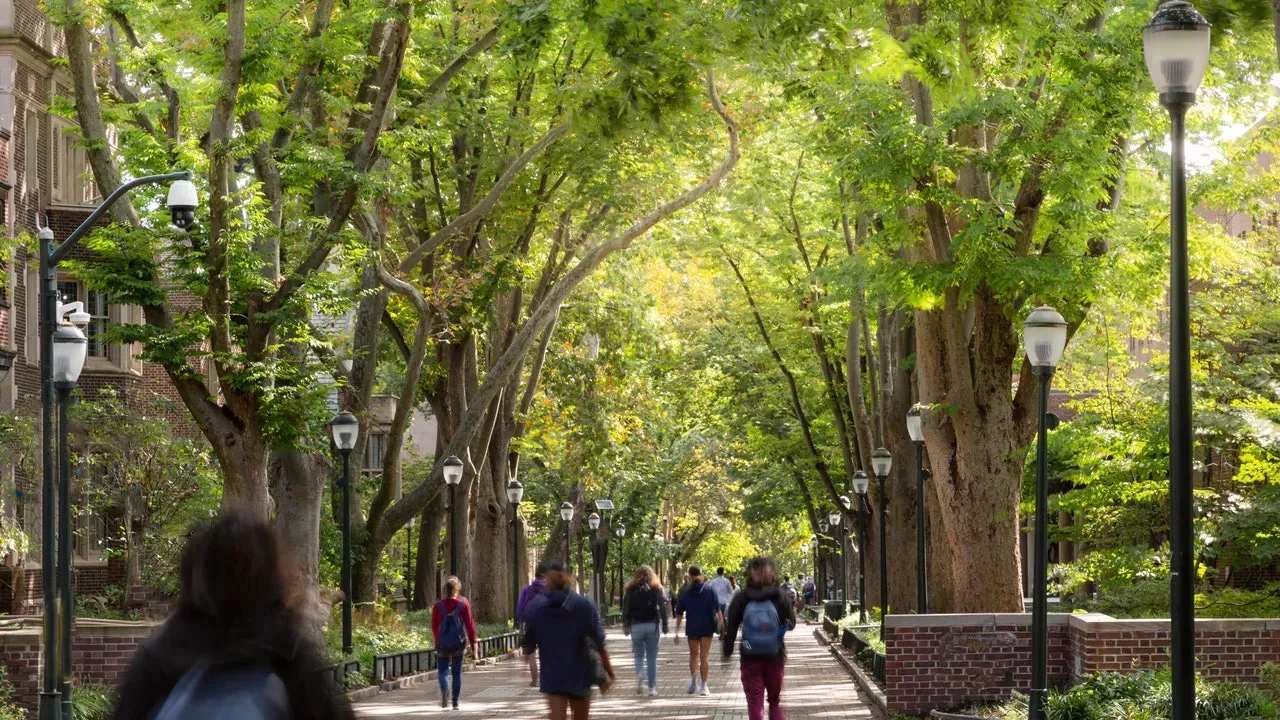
235,647
564,628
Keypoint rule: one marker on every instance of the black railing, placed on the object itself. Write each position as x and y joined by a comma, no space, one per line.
412,662
864,652
830,627
500,644
395,665
336,673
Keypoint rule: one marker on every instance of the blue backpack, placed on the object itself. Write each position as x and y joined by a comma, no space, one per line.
453,637
761,629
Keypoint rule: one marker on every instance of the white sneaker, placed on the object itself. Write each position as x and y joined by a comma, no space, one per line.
653,692
693,686
639,685
705,691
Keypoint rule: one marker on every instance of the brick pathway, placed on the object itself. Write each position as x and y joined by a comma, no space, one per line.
816,687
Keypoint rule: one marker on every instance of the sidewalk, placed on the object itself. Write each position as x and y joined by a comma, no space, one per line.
816,687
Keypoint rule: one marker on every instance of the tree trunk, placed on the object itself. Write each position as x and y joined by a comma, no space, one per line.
242,456
426,586
299,502
490,571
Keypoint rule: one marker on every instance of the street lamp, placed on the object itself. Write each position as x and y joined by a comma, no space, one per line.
621,532
817,580
452,477
915,428
1045,335
408,562
1176,46
515,494
70,348
823,528
345,428
566,514
860,484
54,701
833,518
881,464
597,577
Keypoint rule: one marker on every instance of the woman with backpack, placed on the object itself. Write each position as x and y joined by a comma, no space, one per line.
235,647
764,613
453,628
699,602
643,608
564,628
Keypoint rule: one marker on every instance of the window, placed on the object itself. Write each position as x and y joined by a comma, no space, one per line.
31,152
98,305
91,535
70,172
374,450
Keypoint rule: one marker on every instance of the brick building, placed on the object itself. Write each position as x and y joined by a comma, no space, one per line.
45,179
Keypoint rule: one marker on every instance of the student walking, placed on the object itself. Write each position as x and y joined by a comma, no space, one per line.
764,613
724,591
527,595
700,603
564,628
453,628
644,613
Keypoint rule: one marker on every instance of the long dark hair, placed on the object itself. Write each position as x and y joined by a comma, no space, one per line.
645,577
236,609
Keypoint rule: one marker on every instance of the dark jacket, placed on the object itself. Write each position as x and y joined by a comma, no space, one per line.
786,615
700,605
184,641
555,627
643,606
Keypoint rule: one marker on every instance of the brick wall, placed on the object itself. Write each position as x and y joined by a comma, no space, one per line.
946,662
100,653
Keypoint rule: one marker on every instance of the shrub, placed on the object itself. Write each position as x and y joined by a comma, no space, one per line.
93,702
1148,696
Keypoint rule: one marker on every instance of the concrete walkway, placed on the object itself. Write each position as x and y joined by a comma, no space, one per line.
816,687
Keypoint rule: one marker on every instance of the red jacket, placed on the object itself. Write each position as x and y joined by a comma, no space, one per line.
446,606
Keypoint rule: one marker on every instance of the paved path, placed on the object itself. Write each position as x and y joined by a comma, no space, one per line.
816,687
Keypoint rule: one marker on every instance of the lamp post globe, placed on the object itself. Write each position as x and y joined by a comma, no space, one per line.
70,348
881,464
515,492
566,514
1175,45
1044,336
452,471
804,548
915,424
915,429
860,483
593,521
345,429
834,518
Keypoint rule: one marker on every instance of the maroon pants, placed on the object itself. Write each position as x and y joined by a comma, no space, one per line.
758,678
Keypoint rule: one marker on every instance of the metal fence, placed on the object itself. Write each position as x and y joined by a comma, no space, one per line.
412,662
864,652
335,673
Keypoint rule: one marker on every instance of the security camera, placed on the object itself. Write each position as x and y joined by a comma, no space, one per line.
182,203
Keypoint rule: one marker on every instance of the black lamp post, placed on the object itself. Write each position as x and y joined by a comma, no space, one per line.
1045,336
621,533
813,547
833,518
408,562
345,429
70,348
515,493
182,202
566,514
860,483
915,428
881,464
597,577
845,505
1176,46
452,477
823,528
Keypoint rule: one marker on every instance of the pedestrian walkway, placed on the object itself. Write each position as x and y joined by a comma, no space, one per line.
816,687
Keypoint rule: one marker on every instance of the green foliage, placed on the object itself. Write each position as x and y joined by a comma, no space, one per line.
93,702
9,708
1146,696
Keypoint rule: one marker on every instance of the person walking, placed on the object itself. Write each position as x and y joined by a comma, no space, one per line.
809,591
764,613
724,592
236,646
527,594
564,628
700,603
453,628
644,613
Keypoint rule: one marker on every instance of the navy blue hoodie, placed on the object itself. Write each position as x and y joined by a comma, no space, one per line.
556,631
699,604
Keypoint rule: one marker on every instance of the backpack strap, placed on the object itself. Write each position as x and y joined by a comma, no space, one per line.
176,705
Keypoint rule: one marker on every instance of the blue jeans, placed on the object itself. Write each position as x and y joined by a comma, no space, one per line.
445,667
644,645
